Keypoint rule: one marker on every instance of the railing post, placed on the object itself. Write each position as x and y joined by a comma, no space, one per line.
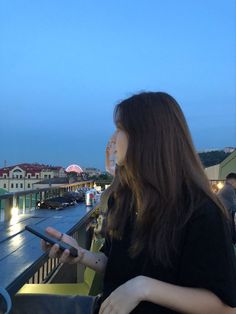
7,208
1,211
15,201
24,203
35,199
30,203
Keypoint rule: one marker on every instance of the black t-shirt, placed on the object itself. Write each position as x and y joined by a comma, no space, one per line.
206,260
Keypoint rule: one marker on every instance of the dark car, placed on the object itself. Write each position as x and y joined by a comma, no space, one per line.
75,196
56,203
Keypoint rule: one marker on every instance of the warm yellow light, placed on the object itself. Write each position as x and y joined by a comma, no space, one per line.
14,216
220,185
14,212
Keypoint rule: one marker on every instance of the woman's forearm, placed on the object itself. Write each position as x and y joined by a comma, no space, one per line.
182,299
96,261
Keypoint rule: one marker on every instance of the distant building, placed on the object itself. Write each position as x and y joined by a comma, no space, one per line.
228,165
213,172
229,149
226,150
21,177
208,150
220,171
91,172
47,183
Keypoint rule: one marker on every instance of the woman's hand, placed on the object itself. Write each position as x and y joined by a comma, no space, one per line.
54,251
125,298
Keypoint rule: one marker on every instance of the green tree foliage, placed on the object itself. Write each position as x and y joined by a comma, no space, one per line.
73,177
105,176
213,158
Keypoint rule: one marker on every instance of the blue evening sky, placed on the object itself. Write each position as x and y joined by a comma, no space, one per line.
65,64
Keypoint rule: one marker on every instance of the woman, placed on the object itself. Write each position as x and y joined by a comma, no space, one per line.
168,247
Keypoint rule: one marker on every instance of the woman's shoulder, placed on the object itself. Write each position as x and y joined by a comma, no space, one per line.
209,219
207,209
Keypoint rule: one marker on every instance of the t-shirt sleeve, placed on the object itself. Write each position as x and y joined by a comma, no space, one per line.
208,259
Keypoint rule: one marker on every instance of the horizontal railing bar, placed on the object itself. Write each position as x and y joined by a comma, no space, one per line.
20,193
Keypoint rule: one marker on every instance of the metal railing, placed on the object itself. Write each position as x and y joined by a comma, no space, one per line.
45,272
25,201
45,269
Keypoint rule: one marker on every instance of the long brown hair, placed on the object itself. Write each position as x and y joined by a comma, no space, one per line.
161,181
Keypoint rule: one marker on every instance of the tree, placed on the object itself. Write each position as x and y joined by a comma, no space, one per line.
209,159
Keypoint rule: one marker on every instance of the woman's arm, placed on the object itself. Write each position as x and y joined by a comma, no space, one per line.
96,261
183,300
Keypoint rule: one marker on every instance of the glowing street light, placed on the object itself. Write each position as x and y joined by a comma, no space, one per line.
14,212
220,185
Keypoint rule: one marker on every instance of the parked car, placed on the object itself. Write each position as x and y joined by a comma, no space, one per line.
77,196
56,203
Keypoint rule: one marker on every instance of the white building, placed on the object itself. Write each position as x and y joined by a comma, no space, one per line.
229,149
22,177
213,172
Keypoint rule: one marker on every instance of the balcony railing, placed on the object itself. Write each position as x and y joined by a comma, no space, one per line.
24,201
21,259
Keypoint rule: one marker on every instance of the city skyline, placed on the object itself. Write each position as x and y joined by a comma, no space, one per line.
63,68
84,167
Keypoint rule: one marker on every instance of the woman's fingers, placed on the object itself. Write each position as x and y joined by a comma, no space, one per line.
106,308
53,232
61,236
65,257
54,251
45,246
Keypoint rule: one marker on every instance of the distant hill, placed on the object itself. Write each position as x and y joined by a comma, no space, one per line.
213,158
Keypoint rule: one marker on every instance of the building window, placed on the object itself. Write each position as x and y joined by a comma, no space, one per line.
21,176
4,176
28,176
21,185
4,186
17,176
12,185
28,185
37,176
16,185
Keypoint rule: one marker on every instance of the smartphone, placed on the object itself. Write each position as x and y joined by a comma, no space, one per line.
43,235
